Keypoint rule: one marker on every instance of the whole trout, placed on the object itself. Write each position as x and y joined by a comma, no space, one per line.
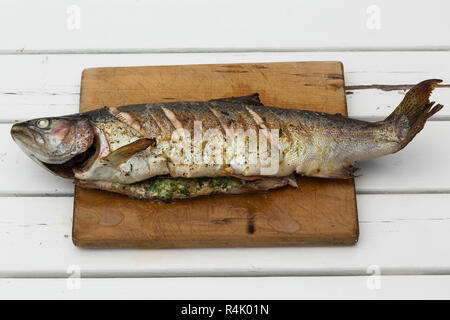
232,137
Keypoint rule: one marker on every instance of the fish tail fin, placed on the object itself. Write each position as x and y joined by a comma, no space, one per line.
414,110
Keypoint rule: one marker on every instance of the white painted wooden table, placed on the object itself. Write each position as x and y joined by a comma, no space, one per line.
403,199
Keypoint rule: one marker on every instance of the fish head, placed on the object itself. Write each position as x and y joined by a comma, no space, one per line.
56,143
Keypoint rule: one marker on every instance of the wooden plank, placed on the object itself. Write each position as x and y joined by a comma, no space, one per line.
375,104
371,104
221,25
423,166
391,287
108,220
36,86
402,234
420,167
49,85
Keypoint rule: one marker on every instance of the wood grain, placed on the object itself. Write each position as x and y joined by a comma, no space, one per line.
320,212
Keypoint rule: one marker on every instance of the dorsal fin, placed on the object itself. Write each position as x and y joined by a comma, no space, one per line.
252,99
124,153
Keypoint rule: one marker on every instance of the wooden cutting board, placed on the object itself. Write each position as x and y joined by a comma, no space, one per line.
319,212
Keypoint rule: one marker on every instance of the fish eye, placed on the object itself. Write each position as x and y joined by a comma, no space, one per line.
43,123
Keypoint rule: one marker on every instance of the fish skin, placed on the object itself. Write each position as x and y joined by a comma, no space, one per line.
310,143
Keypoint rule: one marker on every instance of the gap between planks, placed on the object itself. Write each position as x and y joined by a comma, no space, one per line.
369,119
229,273
355,95
227,50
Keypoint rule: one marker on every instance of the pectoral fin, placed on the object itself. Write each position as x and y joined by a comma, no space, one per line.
124,153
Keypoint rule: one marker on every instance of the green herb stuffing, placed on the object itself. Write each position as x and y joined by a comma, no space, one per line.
166,188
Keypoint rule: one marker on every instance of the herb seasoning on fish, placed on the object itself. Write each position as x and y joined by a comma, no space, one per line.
182,149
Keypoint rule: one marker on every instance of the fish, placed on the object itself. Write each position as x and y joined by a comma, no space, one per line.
124,149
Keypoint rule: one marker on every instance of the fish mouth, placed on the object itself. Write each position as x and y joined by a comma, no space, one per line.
25,136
